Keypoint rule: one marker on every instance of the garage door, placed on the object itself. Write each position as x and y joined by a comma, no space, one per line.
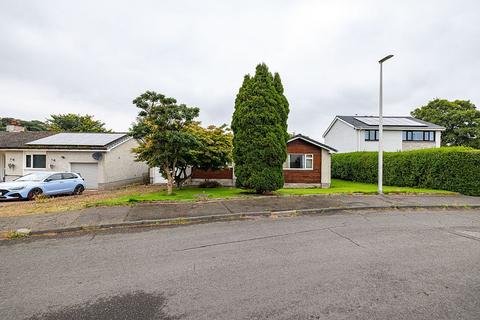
89,172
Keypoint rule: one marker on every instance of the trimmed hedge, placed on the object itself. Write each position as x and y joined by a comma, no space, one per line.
449,168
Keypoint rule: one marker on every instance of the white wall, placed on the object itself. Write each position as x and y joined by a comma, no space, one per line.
438,139
15,160
2,166
392,141
342,137
119,165
326,168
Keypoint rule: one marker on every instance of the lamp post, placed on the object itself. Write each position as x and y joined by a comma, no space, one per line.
380,127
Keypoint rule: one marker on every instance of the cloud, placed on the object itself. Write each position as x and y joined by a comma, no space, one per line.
95,57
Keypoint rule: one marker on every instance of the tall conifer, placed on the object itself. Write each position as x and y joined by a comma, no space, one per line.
259,126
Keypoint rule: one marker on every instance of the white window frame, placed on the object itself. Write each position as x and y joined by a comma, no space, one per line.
31,154
305,156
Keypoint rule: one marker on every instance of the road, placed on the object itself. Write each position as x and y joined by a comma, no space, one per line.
370,265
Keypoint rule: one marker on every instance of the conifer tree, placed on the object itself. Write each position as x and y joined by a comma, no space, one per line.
259,125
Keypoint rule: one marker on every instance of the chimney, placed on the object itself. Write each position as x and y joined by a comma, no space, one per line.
14,126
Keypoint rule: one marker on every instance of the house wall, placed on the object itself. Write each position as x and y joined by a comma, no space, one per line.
304,175
13,165
120,168
438,139
392,141
62,160
224,176
326,170
414,145
2,166
342,137
117,167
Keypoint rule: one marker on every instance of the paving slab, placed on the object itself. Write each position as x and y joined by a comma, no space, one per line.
169,210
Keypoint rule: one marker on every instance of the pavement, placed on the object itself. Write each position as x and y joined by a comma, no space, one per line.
220,209
397,264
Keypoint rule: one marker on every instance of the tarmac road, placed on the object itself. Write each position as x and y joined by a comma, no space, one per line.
370,265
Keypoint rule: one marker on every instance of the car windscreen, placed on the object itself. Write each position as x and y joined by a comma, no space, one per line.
40,176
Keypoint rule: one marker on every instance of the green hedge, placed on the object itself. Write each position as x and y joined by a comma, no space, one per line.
450,168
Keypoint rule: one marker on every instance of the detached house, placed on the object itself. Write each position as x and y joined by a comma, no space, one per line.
104,160
308,164
360,133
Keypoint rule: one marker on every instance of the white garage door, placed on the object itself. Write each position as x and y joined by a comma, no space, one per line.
89,172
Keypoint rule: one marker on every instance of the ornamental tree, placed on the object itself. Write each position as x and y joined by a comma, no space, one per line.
161,129
259,126
213,150
72,122
460,118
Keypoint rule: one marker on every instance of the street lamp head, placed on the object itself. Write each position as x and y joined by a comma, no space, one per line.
386,58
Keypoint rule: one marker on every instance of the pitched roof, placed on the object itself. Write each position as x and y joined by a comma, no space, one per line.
366,122
18,140
64,140
310,140
390,123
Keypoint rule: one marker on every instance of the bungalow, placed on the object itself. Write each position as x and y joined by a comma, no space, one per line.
360,133
308,164
104,160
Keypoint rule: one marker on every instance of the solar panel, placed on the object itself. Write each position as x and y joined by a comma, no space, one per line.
78,139
387,121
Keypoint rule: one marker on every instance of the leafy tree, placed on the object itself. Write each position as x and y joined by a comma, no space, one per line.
71,122
460,118
259,126
212,152
162,130
33,125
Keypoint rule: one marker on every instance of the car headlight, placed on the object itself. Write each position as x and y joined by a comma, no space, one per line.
17,188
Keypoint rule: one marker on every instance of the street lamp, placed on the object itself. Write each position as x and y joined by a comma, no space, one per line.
380,127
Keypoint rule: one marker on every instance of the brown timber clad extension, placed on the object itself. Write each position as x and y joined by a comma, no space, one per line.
212,174
304,175
305,166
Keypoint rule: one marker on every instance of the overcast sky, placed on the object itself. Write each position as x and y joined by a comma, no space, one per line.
95,57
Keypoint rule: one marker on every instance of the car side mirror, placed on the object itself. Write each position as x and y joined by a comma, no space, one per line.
48,180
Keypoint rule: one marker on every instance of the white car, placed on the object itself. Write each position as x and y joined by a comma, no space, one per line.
48,183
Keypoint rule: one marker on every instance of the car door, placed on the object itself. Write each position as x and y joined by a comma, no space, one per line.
53,184
70,182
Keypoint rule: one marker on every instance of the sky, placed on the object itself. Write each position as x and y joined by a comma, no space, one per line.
95,57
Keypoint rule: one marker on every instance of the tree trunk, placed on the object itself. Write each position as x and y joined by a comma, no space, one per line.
169,180
169,184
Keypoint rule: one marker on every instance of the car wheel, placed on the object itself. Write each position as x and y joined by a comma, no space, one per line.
78,189
34,193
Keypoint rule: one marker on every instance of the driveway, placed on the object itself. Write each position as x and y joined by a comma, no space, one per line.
374,265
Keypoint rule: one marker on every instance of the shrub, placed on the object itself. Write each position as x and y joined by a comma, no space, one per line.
209,184
449,168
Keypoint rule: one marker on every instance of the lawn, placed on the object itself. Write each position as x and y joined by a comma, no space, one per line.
193,193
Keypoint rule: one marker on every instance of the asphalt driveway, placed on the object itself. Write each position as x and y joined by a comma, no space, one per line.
374,265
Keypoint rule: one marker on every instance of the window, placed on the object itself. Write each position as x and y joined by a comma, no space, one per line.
36,161
299,161
68,175
418,135
371,135
55,177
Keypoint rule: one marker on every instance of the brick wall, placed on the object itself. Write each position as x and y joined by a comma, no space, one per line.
212,174
304,176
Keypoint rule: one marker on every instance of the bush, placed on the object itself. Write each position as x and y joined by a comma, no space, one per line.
210,184
449,168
